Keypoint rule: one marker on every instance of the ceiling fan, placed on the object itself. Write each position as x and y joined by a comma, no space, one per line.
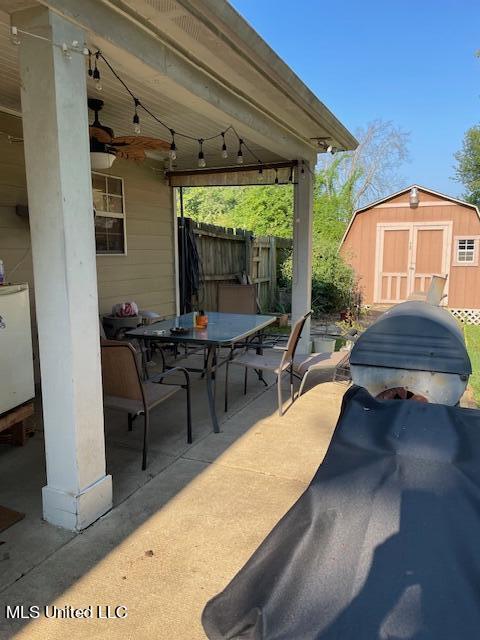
105,146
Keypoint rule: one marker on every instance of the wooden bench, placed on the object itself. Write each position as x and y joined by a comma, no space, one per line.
14,421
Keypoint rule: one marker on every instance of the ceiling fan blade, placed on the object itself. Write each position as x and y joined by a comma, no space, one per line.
140,142
129,153
100,134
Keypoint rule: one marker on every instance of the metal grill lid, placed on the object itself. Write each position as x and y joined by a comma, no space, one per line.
414,335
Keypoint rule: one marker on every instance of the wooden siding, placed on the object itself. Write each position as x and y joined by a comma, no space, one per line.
145,274
359,247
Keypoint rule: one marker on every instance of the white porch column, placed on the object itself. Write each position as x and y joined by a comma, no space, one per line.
302,251
55,126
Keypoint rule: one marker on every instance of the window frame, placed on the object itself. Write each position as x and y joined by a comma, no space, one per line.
108,214
459,263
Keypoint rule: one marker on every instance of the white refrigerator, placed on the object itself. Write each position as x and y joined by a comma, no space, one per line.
16,358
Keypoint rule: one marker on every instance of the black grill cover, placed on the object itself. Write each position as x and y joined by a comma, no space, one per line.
385,542
414,335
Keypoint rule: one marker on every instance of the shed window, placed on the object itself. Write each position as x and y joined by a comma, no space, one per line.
109,204
466,250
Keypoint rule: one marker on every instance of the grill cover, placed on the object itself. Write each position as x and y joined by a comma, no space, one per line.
414,335
382,544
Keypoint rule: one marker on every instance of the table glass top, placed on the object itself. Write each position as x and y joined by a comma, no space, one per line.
223,328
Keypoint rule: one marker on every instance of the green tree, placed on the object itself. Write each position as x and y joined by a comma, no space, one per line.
266,210
468,165
213,205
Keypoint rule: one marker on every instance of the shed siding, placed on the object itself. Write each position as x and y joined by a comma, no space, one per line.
359,247
145,274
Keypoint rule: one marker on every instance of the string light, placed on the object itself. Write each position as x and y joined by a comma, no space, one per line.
330,149
136,118
14,36
96,73
240,154
66,51
290,176
173,147
201,158
224,147
276,176
302,171
260,172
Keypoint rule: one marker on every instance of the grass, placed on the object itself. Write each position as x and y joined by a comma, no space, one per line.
472,337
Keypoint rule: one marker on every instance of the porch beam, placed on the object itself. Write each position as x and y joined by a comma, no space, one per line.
302,253
55,128
142,54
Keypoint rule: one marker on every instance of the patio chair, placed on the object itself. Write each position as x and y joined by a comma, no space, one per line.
124,389
278,360
142,354
435,292
304,365
237,298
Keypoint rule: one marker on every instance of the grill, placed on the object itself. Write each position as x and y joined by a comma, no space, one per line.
414,350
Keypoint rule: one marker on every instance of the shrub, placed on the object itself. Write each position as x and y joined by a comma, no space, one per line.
333,281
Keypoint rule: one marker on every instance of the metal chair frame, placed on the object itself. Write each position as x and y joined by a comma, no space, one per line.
139,394
285,365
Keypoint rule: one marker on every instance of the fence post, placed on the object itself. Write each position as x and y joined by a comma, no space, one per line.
248,256
273,271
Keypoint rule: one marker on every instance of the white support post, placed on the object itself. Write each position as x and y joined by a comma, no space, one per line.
55,127
302,251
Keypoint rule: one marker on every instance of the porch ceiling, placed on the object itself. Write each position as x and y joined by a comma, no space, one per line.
200,68
118,110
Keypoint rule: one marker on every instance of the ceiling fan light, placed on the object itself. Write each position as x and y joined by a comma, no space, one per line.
101,160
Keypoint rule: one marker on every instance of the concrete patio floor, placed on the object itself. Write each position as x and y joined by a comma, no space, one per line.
180,530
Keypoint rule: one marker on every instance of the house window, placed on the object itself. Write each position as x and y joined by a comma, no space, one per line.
466,251
109,203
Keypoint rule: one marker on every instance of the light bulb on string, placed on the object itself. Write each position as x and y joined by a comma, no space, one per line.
239,153
96,74
90,70
290,175
14,39
173,148
136,118
201,157
276,176
66,51
224,147
302,171
260,172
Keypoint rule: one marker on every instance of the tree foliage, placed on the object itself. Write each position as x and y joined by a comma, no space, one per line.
468,165
264,210
373,169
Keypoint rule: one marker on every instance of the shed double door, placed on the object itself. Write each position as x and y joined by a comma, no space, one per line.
407,256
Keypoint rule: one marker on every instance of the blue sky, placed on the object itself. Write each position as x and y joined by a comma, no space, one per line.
411,62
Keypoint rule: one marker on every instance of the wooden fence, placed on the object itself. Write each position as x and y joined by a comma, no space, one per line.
226,254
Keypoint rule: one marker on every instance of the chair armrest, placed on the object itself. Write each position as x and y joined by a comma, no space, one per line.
158,378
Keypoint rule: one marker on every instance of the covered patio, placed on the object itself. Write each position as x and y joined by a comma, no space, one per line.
181,537
202,71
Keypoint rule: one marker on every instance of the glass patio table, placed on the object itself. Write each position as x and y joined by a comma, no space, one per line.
223,330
